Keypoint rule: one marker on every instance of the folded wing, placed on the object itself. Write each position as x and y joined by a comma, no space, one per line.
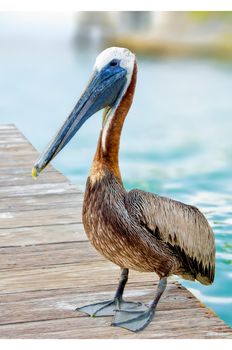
181,226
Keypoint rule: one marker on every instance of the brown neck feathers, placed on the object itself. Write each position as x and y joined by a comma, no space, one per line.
109,156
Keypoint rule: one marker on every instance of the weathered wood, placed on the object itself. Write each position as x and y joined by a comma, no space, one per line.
41,234
167,324
36,217
36,189
11,179
63,304
30,203
47,254
48,267
65,276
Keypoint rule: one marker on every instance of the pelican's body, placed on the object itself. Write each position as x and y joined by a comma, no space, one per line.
115,223
135,230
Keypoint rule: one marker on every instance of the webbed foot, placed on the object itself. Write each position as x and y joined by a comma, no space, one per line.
109,307
133,320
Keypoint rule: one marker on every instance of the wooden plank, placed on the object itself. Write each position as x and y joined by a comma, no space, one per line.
38,217
18,162
47,255
41,234
18,150
8,180
29,203
133,290
9,170
57,305
7,127
36,189
65,276
167,324
48,267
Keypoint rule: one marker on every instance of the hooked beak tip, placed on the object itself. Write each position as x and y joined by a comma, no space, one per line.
34,173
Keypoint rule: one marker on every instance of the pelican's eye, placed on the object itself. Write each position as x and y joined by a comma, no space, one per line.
114,63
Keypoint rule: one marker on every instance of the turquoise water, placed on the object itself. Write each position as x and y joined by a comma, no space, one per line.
177,139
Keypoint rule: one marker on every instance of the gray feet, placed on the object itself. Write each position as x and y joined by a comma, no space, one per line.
127,314
133,320
110,307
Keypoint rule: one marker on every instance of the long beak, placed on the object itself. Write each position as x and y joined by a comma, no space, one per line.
101,92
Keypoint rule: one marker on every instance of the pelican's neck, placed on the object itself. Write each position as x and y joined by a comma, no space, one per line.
107,152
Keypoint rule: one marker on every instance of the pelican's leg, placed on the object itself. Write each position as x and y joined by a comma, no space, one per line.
138,320
109,307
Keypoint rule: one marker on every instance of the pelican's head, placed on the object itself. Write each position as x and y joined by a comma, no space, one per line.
111,77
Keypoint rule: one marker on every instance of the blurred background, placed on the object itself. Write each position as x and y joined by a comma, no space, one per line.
177,138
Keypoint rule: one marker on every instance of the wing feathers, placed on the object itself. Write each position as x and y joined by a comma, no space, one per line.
182,226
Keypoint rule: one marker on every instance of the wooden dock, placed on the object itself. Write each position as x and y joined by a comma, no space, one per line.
48,267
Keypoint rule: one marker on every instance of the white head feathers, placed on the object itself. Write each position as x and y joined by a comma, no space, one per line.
126,58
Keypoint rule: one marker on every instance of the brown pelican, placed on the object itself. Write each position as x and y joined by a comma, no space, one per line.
135,230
